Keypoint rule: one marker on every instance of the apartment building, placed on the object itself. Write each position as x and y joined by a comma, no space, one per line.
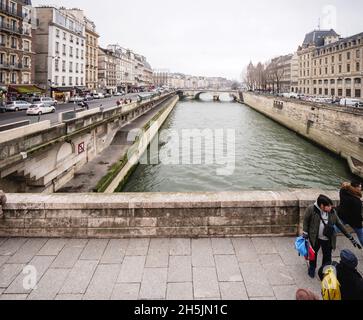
330,65
107,62
60,46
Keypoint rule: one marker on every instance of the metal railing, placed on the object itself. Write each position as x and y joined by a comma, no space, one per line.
10,28
7,9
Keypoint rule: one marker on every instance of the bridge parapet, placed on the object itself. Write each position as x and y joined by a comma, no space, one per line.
31,162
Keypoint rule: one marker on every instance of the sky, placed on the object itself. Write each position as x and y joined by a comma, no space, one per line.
214,37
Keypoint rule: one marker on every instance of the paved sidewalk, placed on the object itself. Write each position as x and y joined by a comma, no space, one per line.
172,269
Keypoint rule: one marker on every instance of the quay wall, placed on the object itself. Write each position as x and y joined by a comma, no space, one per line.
338,129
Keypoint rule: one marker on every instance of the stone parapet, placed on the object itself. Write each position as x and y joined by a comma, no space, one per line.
128,215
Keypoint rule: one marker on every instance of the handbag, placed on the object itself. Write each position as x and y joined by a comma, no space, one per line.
328,228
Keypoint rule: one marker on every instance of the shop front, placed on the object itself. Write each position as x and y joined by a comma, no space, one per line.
63,94
23,92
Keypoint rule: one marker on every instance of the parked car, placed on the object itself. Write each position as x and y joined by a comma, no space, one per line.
76,99
17,105
118,94
350,102
98,96
39,109
49,102
107,95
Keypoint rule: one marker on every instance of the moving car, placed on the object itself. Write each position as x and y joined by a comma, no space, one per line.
17,105
88,97
98,96
39,109
49,102
118,94
350,102
76,99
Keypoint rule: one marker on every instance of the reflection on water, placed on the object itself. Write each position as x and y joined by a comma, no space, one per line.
267,155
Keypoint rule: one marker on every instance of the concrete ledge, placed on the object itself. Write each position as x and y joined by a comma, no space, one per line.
157,214
12,134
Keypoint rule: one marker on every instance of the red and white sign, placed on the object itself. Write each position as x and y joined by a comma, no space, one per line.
81,148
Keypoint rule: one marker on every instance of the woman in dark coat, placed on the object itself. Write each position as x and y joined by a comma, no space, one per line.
350,208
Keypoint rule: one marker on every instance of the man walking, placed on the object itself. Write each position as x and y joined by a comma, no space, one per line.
350,208
319,221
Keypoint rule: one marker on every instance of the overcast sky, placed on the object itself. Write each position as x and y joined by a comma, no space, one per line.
214,37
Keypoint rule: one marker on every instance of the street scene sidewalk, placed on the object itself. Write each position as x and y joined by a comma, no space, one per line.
156,269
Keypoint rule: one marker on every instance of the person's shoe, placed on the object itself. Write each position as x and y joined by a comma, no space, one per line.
311,272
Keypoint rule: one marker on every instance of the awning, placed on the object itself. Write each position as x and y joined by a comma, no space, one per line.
63,89
26,89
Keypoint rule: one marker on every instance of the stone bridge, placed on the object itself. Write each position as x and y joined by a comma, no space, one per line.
43,158
195,94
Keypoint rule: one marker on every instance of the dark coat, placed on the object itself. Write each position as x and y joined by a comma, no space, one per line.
312,225
350,208
351,282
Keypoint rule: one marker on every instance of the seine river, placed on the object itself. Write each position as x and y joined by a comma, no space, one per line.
242,150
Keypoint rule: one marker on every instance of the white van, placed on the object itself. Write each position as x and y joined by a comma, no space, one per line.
350,102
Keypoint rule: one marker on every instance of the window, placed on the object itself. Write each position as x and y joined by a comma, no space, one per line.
76,81
2,58
332,69
64,50
320,91
332,92
63,81
57,48
77,68
348,55
71,51
12,60
64,36
340,68
56,80
77,53
357,66
57,33
340,57
326,91
63,66
71,66
357,81
332,81
332,59
26,45
357,93
348,93
13,43
348,67
77,40
357,55
71,38
13,77
70,81
56,65
340,92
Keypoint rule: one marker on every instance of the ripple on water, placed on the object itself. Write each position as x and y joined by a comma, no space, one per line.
267,155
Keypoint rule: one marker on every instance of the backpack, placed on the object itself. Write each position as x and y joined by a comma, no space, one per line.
330,286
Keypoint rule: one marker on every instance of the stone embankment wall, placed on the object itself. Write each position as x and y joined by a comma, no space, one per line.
157,214
335,128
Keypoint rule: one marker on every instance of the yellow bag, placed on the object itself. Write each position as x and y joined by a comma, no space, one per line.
330,286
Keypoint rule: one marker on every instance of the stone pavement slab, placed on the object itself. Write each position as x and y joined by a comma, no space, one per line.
132,269
153,285
126,291
180,247
52,247
180,269
205,283
180,291
233,291
103,282
27,251
115,251
202,253
94,249
176,269
49,286
40,265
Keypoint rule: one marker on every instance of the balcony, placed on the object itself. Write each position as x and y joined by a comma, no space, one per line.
9,28
11,66
8,10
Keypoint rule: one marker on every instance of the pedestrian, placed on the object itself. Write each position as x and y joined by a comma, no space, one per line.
2,203
304,294
350,207
118,103
319,222
350,280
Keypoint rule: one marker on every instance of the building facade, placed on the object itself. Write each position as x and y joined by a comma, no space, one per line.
16,47
331,66
107,62
60,46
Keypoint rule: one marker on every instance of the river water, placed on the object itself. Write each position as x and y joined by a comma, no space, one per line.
258,154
